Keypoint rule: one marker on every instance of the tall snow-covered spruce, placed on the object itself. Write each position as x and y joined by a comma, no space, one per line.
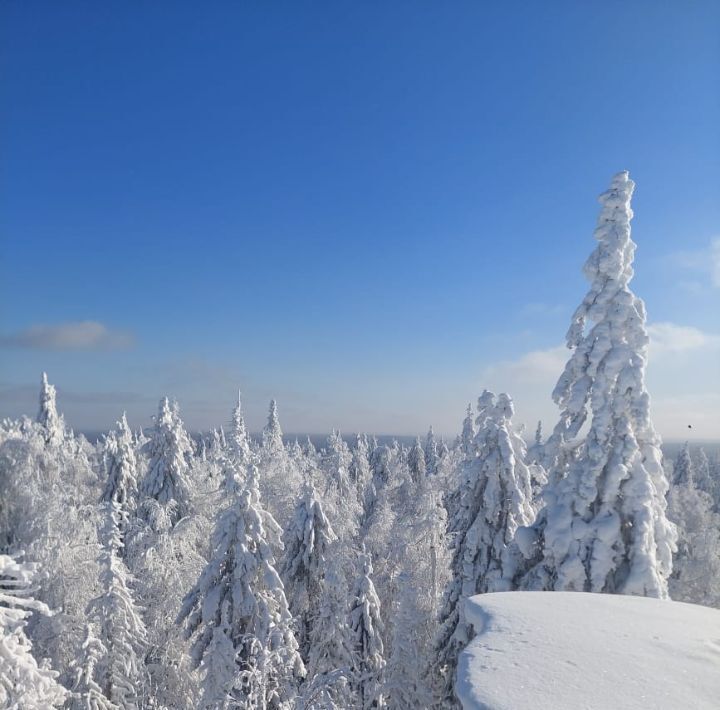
307,542
121,484
366,625
239,437
603,527
48,418
167,478
495,500
238,615
122,633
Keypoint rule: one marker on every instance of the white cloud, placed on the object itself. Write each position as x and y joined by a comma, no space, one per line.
538,309
79,335
533,367
701,261
668,337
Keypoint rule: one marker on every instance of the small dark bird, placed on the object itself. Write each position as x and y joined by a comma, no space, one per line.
689,426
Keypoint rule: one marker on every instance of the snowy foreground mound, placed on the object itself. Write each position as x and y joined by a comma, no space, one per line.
575,651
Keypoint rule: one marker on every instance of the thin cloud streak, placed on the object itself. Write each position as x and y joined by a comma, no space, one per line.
77,335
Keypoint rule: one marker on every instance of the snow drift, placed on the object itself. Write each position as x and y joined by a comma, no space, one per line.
574,650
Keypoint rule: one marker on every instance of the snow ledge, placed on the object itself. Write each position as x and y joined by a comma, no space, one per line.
575,651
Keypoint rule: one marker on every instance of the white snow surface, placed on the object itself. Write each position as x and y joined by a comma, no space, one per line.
583,651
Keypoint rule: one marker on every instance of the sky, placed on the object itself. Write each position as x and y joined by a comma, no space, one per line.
369,211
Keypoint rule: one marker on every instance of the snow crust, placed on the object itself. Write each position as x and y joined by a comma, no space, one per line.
583,651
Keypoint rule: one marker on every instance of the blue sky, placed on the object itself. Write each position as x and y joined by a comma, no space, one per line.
370,211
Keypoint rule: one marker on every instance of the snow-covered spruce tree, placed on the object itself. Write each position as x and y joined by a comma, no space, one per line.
417,538
228,464
467,438
167,479
535,450
366,626
495,499
382,460
280,481
431,453
238,615
239,439
121,630
416,461
335,465
121,465
603,526
705,480
164,559
24,685
695,576
683,469
464,452
48,496
331,647
404,687
87,694
339,493
51,423
272,442
307,541
360,473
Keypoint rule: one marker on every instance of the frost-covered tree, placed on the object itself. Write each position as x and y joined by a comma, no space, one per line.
238,615
239,437
467,437
331,643
683,469
695,576
48,495
339,492
704,479
121,484
280,480
51,423
360,472
405,687
603,526
366,626
272,441
411,598
87,693
307,542
416,460
164,559
167,479
335,465
495,500
535,450
431,453
24,685
121,630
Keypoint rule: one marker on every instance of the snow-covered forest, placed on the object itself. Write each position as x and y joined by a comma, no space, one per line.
165,569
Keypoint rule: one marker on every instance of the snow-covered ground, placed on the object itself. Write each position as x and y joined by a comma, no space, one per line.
575,651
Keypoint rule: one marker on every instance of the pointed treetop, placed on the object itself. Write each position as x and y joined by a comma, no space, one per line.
683,473
538,433
239,439
48,417
272,433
